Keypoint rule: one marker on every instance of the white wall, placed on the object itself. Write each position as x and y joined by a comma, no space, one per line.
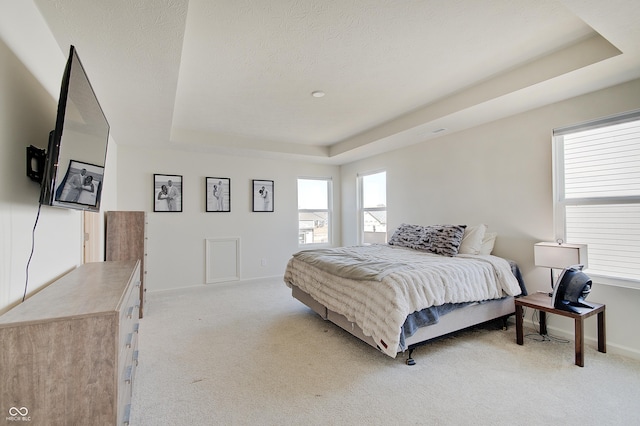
28,107
176,241
499,174
27,114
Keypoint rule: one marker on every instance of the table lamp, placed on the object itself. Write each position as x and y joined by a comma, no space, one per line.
559,255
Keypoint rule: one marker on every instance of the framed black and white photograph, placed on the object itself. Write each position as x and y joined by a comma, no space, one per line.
262,195
218,193
81,184
167,194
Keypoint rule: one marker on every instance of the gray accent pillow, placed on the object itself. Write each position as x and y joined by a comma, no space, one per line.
408,236
439,239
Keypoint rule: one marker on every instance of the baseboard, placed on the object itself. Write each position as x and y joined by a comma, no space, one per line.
612,347
220,284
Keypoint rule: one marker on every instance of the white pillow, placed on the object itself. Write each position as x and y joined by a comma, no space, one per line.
488,242
472,239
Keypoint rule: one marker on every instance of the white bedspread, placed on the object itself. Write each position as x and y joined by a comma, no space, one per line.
418,280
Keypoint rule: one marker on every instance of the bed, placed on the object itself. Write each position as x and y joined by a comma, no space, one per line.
425,283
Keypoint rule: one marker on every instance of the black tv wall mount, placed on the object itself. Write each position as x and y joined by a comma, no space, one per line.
35,163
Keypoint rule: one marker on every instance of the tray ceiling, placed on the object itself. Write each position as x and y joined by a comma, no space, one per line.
236,76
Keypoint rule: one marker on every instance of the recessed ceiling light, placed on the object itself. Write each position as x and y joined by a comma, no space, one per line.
317,93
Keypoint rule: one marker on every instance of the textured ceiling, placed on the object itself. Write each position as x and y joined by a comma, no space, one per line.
237,75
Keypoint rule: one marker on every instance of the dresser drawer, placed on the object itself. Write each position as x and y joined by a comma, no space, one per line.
129,314
128,363
125,388
128,327
128,346
130,300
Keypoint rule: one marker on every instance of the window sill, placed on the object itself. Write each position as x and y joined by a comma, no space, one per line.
615,282
314,246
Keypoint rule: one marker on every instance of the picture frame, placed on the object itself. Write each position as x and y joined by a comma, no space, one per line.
82,184
218,194
262,194
167,193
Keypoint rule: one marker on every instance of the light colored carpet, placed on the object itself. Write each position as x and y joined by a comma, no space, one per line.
250,354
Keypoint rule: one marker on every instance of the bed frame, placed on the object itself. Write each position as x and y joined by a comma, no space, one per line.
456,320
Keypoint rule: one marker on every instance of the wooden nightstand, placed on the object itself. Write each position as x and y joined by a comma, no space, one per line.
542,303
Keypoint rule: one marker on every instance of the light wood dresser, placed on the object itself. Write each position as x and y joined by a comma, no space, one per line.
69,353
126,239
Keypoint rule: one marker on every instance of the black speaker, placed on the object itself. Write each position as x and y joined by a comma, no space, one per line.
572,287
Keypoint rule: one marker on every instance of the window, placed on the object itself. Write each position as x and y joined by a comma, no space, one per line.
373,208
597,186
314,211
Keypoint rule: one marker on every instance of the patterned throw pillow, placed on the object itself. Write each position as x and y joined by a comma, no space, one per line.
443,239
439,239
408,236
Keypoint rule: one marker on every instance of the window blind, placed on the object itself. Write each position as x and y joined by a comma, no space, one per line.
598,192
603,162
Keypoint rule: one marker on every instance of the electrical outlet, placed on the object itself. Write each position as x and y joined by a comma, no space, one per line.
263,262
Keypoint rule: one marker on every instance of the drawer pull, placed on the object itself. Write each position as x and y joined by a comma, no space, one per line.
130,312
127,374
135,357
126,415
136,327
129,339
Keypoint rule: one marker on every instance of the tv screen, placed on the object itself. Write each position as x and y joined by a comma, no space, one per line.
75,160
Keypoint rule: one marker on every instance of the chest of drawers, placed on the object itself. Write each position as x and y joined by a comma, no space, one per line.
69,353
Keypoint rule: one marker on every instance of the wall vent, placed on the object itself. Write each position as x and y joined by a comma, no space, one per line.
222,259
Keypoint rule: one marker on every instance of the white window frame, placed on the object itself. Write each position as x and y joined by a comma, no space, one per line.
561,202
328,211
362,209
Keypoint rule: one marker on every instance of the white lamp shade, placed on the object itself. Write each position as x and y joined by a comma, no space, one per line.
554,255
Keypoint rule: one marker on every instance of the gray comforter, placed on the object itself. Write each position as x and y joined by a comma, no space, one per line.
379,286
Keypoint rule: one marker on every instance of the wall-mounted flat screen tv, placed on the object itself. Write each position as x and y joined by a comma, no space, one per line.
75,160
